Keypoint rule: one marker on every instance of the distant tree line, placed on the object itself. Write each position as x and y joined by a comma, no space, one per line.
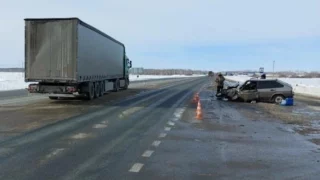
11,69
168,72
312,74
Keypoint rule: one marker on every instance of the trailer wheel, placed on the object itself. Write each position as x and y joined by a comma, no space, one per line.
101,89
90,93
96,89
116,85
53,98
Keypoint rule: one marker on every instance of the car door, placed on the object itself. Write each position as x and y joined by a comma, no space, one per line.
248,91
267,89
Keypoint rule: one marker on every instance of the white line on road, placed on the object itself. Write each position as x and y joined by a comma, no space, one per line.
156,143
136,167
54,152
162,135
167,128
175,119
105,122
171,123
147,153
178,113
99,126
80,136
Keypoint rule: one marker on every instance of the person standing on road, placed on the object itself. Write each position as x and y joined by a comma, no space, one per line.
220,82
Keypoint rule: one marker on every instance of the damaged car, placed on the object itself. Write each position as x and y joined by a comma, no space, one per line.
263,90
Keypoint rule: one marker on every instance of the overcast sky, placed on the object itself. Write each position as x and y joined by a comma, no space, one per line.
196,34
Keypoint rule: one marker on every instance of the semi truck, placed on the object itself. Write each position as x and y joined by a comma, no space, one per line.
66,57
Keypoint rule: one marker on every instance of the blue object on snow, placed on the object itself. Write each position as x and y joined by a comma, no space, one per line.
287,102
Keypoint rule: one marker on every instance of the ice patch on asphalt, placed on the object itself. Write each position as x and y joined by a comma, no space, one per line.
287,129
306,111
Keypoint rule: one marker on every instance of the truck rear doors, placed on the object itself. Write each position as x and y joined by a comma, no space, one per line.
50,49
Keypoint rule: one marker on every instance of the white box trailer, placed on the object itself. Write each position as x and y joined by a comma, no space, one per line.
68,57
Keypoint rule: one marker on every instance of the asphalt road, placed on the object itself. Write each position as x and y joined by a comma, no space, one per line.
20,114
154,135
89,146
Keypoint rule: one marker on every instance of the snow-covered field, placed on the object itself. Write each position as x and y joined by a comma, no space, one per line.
304,86
10,81
15,80
146,77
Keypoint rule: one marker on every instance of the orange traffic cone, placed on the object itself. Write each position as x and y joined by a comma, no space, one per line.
199,111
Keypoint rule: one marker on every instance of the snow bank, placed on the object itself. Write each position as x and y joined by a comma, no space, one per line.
12,80
15,80
304,86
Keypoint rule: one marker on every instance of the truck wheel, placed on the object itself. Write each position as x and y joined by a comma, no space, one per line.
96,89
127,84
116,85
90,94
101,89
53,98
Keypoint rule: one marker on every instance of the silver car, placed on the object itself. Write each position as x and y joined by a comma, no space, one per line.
267,90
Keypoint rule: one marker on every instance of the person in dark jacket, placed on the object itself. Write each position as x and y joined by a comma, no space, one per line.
263,76
220,82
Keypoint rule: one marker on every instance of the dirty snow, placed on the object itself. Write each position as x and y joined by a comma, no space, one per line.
310,87
15,80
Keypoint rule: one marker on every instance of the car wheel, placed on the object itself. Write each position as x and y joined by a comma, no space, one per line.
53,98
278,99
235,97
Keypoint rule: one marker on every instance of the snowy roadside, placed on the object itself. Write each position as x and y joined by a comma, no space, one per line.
302,118
303,86
15,80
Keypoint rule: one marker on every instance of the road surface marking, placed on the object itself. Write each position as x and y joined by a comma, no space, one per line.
171,123
80,136
99,126
136,167
156,143
162,135
175,119
147,153
178,113
54,152
167,128
130,111
105,122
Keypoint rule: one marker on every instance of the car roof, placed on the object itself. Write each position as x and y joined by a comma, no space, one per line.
278,80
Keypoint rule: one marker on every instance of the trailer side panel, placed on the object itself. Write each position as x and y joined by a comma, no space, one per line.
99,57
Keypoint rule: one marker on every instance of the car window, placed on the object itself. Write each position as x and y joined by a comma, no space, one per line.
269,84
250,85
